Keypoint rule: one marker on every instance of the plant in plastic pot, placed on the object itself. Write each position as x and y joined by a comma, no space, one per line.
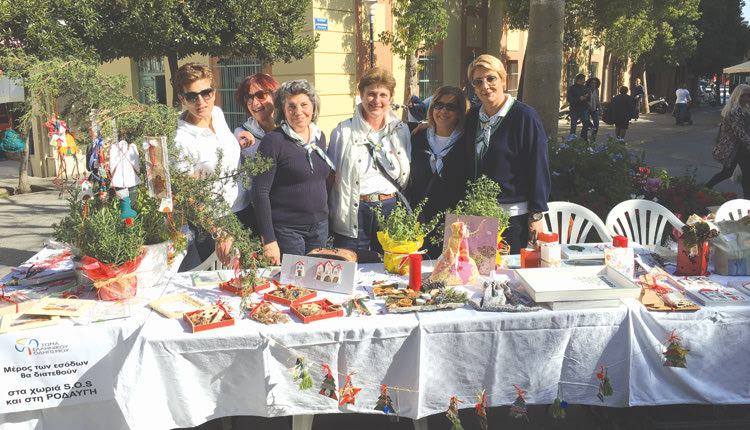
401,234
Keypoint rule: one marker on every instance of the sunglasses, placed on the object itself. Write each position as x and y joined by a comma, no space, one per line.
450,107
192,96
489,79
261,95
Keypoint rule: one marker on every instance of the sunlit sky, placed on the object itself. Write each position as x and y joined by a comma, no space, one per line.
746,10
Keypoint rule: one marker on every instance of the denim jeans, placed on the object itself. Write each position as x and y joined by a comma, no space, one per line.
594,124
681,112
517,233
301,239
367,227
583,118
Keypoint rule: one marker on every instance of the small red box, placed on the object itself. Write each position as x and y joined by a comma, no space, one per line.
227,286
325,303
529,258
620,242
294,302
226,320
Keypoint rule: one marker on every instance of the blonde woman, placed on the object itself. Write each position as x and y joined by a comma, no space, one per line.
733,147
507,143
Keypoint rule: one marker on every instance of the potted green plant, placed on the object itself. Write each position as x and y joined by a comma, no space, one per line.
481,200
401,234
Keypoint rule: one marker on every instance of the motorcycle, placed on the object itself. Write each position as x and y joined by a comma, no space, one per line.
659,105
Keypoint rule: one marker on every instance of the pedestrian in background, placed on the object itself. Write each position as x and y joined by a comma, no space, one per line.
623,110
638,94
594,107
733,143
578,102
681,104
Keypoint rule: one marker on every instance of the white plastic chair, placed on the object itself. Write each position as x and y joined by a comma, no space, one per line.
211,263
641,221
558,220
733,210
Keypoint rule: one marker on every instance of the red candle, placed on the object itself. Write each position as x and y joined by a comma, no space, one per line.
529,258
415,271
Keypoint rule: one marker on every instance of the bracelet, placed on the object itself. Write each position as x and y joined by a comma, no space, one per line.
215,234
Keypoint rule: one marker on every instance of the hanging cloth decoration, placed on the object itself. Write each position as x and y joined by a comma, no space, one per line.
518,408
384,401
605,388
12,142
452,414
301,374
328,386
674,356
348,392
557,408
482,411
311,147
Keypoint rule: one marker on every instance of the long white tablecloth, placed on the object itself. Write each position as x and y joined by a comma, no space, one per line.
167,377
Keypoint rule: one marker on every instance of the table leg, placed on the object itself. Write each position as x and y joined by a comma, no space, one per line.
302,422
420,424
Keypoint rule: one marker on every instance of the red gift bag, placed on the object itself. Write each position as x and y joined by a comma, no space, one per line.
693,261
112,282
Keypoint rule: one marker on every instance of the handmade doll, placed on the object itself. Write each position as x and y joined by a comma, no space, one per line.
124,168
455,266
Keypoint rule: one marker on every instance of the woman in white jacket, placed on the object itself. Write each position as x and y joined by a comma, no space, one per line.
371,152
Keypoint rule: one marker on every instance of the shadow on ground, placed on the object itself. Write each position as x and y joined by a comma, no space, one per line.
693,417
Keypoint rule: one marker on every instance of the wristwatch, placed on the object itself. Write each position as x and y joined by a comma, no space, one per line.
536,216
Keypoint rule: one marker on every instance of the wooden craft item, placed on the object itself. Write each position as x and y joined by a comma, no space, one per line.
16,322
176,306
61,307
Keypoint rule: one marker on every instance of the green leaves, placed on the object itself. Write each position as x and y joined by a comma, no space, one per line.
402,225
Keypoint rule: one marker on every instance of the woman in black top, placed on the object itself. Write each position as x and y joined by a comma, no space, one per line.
434,158
290,199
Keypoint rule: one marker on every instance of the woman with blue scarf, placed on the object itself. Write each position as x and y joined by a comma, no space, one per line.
435,153
290,199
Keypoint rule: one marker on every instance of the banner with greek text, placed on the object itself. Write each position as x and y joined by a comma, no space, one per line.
46,368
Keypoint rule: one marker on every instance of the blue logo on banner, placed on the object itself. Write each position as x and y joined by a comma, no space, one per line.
321,24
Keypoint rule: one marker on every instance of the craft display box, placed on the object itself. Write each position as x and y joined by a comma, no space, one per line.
227,286
576,283
288,302
226,320
324,303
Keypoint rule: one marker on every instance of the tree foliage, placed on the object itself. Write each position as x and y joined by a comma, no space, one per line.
419,25
725,36
104,30
635,29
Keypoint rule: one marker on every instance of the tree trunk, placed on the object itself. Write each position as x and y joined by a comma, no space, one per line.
541,88
645,106
23,168
172,61
411,79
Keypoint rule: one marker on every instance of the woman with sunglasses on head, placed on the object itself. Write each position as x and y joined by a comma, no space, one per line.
255,95
507,143
290,199
371,151
435,153
201,133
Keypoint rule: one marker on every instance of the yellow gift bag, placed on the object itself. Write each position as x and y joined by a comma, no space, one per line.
397,252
